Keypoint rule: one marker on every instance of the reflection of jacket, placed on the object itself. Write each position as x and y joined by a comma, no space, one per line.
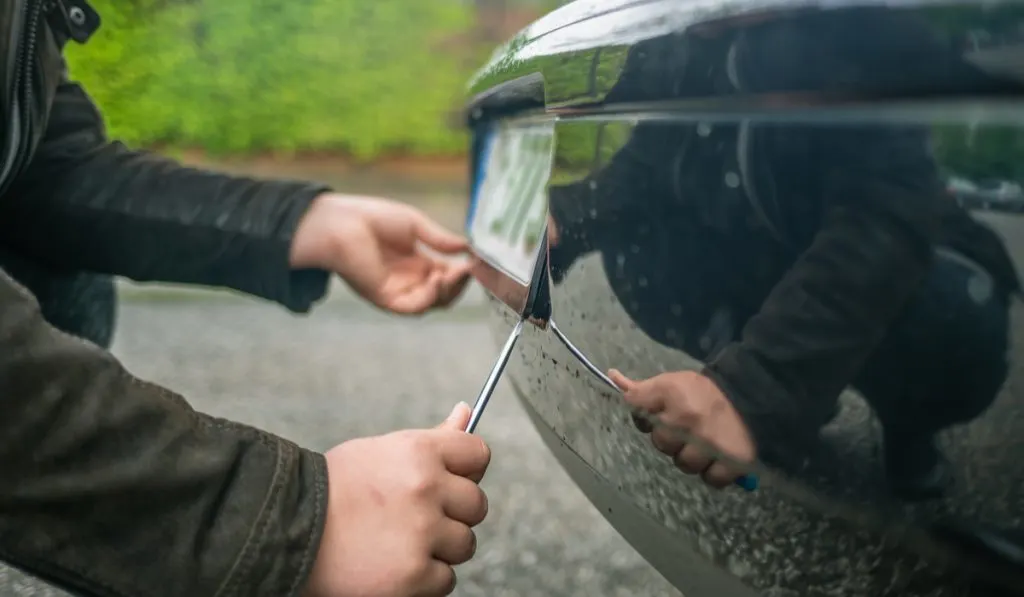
780,253
111,485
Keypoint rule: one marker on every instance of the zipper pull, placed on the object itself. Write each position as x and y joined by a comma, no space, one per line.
76,17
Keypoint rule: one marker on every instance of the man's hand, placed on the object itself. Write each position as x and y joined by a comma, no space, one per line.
689,401
381,248
400,512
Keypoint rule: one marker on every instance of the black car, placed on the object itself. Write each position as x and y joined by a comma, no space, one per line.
748,196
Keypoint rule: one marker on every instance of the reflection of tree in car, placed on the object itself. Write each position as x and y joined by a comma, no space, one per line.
798,260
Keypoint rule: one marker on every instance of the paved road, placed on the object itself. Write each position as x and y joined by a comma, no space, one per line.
346,371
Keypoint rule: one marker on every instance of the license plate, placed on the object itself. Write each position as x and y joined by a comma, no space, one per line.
508,205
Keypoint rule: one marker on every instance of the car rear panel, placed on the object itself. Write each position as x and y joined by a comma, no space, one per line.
698,148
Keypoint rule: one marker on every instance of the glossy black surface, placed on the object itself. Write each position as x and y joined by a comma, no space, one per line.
701,151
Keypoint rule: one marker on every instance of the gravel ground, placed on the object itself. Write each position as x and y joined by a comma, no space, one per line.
255,363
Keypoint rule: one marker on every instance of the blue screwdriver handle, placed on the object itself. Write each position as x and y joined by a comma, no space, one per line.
747,483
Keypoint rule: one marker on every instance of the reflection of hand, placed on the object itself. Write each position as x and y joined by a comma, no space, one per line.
691,402
400,513
377,247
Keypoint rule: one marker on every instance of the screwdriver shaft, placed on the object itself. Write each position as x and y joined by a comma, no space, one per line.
495,375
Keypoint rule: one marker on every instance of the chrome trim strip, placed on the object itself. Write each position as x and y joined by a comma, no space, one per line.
582,358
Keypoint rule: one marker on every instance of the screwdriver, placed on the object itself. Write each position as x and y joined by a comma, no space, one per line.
746,482
495,375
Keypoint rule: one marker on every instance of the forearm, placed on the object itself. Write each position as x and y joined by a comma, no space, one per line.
90,204
114,486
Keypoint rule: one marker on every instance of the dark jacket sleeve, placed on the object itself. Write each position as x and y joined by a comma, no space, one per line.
88,203
116,487
828,313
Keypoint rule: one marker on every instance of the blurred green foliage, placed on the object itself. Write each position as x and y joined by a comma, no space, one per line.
238,76
984,152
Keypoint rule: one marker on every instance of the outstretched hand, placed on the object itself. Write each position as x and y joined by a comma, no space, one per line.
390,253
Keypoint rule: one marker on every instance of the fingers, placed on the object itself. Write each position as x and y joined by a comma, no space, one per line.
454,542
437,582
436,237
624,383
442,283
464,501
692,460
666,440
418,298
648,394
458,418
454,280
464,454
719,475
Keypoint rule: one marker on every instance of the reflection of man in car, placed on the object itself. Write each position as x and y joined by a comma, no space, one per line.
796,260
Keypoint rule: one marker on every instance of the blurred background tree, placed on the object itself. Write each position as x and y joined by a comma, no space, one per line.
354,77
359,79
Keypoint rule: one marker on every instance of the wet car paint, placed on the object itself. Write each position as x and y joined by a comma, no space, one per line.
694,144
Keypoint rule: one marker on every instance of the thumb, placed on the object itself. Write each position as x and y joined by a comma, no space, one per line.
625,384
458,418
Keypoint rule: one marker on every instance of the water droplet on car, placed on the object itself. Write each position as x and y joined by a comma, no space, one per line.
620,260
593,185
732,180
593,213
635,249
642,281
677,309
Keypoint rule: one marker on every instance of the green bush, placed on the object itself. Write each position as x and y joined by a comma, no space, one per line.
238,76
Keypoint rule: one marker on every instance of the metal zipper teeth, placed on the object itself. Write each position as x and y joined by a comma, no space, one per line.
15,135
35,12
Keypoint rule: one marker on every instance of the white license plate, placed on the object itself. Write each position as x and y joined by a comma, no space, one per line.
508,206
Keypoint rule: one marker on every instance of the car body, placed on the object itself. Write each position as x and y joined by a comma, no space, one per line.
1000,190
597,122
997,195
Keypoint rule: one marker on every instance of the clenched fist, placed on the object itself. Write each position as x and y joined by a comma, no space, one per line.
401,511
691,402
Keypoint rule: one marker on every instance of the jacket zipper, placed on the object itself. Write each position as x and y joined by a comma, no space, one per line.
22,102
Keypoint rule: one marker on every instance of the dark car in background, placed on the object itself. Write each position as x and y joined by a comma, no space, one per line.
677,185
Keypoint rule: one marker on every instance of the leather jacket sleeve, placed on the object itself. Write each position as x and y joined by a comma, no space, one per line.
86,203
823,319
115,487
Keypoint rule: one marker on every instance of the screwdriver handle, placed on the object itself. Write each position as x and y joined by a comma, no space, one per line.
747,483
